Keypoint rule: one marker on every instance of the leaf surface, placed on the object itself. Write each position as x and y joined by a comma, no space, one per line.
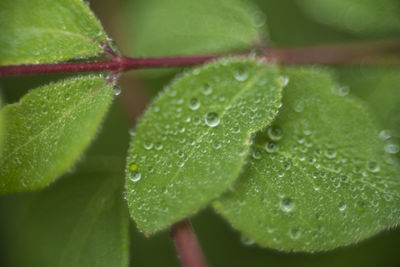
44,31
319,177
49,129
361,17
80,221
192,142
171,27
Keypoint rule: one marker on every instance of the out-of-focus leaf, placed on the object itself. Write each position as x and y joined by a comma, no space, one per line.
80,221
318,178
289,26
43,31
49,129
364,17
192,142
380,87
171,27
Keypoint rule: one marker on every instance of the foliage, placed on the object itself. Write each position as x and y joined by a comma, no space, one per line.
295,159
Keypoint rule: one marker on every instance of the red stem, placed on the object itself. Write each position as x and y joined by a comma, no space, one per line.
357,53
187,246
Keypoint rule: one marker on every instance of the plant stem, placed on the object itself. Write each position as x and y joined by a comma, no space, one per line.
187,246
382,52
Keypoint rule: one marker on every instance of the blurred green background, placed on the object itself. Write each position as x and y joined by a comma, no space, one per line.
288,25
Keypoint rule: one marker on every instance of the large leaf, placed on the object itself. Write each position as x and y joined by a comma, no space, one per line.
80,221
49,129
318,178
171,27
191,144
42,31
360,17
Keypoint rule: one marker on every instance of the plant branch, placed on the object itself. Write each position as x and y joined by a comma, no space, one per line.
382,52
187,246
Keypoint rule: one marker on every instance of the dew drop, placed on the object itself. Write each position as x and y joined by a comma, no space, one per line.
194,103
283,80
294,233
299,106
212,119
330,153
385,134
117,90
258,19
275,133
392,148
342,206
158,146
247,240
271,147
148,145
287,204
341,91
217,145
241,75
206,89
135,176
372,166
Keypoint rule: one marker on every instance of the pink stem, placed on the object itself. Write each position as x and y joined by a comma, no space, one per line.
187,246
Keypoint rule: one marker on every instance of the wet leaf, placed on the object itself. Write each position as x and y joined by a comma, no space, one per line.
43,31
49,129
360,17
319,177
80,221
192,142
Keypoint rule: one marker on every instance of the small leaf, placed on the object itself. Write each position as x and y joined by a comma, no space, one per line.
80,221
171,27
361,17
48,130
319,177
44,31
191,143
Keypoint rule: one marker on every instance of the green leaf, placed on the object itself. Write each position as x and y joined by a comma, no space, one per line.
361,17
80,221
49,129
380,87
171,27
44,31
1,127
319,177
191,144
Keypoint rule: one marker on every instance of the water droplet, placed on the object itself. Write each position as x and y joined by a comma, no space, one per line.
217,145
117,90
206,89
287,204
385,134
135,176
148,145
283,80
212,119
342,206
132,132
341,91
258,19
275,133
294,233
299,106
271,147
372,166
392,148
194,103
256,154
241,75
247,240
330,153
158,146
